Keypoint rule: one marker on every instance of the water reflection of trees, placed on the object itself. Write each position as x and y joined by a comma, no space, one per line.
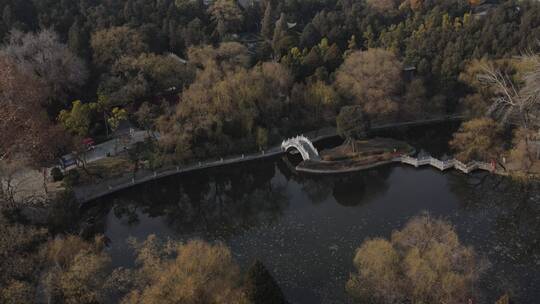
349,190
217,202
362,187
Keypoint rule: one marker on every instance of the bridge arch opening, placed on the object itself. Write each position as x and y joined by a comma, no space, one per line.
303,145
293,156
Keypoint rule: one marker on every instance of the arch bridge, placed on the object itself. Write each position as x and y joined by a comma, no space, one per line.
303,145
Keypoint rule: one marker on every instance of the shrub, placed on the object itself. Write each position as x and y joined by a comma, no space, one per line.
57,174
71,178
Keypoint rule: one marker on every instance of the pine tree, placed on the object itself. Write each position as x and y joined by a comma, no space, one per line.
351,46
78,39
261,288
7,16
280,32
310,36
267,22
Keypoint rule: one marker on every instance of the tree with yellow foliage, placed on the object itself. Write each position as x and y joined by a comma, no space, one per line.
193,273
422,263
478,139
371,79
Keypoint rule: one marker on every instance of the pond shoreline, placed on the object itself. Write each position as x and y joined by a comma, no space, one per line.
87,193
304,169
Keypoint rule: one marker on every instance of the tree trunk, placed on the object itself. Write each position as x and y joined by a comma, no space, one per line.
45,181
106,124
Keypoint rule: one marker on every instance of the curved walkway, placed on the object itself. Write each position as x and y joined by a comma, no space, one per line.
89,193
92,192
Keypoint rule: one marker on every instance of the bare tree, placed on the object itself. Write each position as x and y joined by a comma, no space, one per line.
25,127
51,61
28,138
514,99
531,89
14,191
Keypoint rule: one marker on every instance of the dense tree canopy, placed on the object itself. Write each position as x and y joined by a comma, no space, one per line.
226,104
371,79
109,45
422,263
145,76
195,272
478,139
27,133
226,76
49,60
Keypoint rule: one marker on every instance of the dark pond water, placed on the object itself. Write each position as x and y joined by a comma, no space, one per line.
306,228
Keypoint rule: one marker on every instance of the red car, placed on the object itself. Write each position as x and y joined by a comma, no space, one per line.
89,143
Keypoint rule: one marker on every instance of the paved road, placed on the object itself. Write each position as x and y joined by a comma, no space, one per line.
112,147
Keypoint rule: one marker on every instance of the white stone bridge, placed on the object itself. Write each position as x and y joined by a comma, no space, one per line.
303,145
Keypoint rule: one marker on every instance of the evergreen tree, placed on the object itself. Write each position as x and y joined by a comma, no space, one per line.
280,33
78,40
267,23
261,288
310,36
6,16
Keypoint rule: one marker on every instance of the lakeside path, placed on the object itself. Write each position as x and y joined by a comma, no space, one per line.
87,193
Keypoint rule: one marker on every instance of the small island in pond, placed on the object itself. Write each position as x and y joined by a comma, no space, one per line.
355,155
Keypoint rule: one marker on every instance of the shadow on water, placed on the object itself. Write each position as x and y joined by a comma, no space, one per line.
432,139
348,190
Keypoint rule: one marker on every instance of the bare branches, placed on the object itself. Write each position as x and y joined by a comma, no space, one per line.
531,89
515,97
43,55
15,187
